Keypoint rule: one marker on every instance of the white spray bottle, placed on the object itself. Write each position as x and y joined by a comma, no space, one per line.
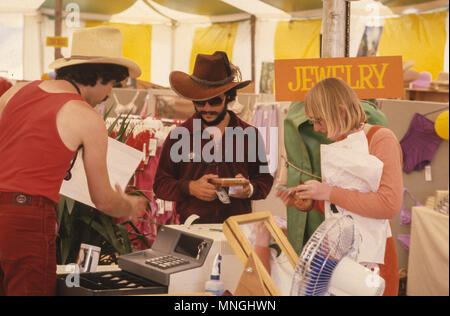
214,285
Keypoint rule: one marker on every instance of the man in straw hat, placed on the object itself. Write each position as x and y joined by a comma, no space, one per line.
186,178
42,124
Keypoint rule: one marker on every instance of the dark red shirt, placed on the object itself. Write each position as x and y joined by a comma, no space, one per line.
172,178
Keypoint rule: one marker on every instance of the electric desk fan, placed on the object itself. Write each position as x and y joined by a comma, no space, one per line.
327,263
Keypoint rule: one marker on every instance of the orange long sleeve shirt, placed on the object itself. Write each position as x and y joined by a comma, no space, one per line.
387,201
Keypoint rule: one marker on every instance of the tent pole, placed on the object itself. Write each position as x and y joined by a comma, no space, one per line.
333,28
347,28
58,25
253,36
173,28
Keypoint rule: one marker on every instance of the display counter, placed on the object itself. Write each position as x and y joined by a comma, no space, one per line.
428,271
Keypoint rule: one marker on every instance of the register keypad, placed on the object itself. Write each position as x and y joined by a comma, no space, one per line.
166,262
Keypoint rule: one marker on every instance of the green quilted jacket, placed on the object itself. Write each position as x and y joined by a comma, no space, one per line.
303,150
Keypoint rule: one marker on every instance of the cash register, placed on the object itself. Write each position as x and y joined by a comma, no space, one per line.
173,251
179,261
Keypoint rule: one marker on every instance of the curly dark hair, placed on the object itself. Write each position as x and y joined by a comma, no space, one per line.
88,74
231,95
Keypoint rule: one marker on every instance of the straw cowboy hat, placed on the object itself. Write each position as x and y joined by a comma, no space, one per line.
101,44
213,75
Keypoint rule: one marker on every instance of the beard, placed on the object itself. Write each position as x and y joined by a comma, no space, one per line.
220,116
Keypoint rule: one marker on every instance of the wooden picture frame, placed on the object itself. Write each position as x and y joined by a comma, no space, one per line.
243,248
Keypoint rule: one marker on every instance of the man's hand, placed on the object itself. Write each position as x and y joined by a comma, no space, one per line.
138,204
243,193
202,189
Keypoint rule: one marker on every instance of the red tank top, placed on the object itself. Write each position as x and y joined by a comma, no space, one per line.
33,158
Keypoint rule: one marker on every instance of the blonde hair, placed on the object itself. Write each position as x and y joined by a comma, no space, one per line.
328,99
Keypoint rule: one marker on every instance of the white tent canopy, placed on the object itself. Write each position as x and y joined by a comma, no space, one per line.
259,8
172,32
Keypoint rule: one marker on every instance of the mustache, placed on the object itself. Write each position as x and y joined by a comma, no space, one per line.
208,112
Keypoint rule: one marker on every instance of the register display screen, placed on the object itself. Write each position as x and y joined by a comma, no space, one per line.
188,245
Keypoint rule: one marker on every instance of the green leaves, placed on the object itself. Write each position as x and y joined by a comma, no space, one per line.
66,226
88,225
122,135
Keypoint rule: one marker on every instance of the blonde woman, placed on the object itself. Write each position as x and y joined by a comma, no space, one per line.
334,110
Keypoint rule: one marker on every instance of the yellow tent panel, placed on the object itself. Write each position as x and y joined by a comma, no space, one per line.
298,39
416,37
217,37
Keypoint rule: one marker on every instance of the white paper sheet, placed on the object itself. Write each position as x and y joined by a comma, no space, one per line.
347,164
122,161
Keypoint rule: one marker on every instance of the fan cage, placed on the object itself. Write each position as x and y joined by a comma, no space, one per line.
334,239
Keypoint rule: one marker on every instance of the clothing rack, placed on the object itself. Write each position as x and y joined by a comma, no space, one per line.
266,106
137,124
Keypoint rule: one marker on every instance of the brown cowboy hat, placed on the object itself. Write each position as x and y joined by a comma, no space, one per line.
212,77
102,45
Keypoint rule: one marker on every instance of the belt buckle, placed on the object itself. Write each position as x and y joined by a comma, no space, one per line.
22,199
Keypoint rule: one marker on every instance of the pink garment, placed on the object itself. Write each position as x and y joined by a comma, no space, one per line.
149,222
423,82
143,180
266,120
405,240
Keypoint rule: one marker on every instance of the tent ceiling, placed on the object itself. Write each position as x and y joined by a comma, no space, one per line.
295,5
209,7
107,7
201,7
402,3
218,7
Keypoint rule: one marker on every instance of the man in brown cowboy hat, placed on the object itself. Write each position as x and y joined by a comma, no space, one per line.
42,124
211,87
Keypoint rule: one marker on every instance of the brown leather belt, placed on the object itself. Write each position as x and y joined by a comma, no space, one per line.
17,198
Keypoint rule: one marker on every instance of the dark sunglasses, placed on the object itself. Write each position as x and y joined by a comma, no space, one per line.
213,102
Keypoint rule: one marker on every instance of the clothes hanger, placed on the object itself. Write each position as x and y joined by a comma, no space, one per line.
435,111
125,108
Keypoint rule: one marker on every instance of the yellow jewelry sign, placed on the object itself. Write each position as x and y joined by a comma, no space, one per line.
57,41
370,77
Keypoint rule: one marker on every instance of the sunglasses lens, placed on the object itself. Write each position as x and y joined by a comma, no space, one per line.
213,102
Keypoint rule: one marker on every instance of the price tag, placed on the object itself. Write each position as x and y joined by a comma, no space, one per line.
168,206
152,146
223,196
160,205
428,177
